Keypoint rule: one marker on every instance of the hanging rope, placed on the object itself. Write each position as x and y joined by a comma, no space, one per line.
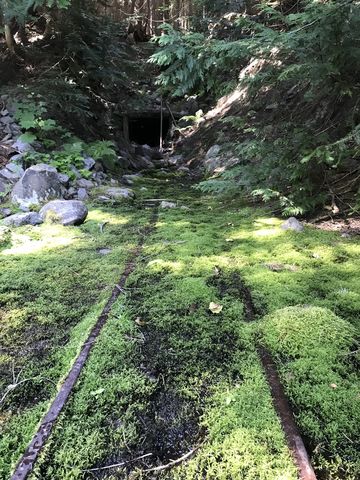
161,125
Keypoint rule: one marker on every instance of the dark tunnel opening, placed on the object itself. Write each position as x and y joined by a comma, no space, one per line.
146,130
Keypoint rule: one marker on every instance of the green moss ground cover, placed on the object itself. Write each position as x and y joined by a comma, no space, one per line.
53,285
167,375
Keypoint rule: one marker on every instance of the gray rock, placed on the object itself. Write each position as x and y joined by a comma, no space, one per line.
6,120
104,251
64,179
82,194
5,212
5,186
21,146
39,183
89,163
144,163
99,176
19,219
65,212
11,173
71,192
84,183
213,152
292,224
166,204
184,169
75,172
118,193
103,199
174,160
18,158
130,179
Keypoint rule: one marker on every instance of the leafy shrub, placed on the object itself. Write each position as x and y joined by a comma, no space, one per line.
313,53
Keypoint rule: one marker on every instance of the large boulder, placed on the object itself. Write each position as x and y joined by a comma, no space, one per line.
66,212
19,219
39,183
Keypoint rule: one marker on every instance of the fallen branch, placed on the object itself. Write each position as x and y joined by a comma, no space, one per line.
173,463
116,465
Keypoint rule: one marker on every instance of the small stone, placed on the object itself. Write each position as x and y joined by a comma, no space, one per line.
175,160
84,183
20,219
292,224
165,204
64,179
76,172
18,158
120,193
22,147
12,172
5,212
71,192
213,152
89,163
103,198
104,251
6,120
82,194
345,235
129,179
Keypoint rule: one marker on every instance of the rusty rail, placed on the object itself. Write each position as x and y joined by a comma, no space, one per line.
28,459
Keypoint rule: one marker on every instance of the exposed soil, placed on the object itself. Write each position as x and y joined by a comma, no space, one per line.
349,225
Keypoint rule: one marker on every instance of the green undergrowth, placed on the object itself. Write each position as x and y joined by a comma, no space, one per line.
54,282
168,376
318,357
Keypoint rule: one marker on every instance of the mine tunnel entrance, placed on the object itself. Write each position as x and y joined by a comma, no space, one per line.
146,129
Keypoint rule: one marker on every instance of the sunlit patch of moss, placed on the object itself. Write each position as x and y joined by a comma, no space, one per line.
244,438
50,298
165,337
113,218
313,348
100,420
159,265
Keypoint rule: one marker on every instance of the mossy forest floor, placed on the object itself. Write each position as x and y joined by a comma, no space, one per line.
168,376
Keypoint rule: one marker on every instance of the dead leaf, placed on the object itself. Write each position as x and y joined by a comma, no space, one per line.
216,271
215,308
333,385
140,322
229,239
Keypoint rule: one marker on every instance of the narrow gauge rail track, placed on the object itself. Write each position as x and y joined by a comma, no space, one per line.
280,402
38,441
